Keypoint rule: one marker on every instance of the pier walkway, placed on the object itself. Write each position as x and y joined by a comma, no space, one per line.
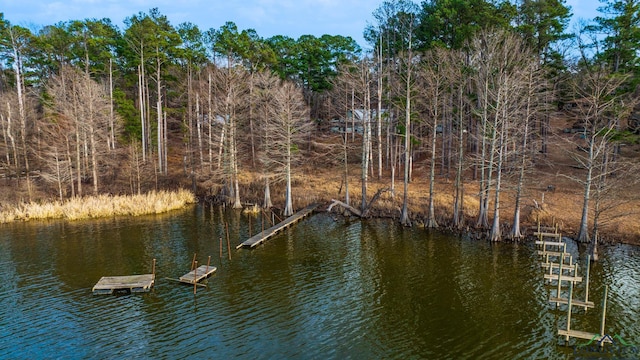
266,234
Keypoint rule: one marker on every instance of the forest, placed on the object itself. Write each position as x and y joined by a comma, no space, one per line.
469,90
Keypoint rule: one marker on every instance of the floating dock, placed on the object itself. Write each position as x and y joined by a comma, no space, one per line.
200,273
270,232
129,284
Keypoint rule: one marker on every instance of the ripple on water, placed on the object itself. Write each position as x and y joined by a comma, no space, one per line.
323,289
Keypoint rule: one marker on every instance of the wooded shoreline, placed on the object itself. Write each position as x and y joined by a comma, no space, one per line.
559,206
310,191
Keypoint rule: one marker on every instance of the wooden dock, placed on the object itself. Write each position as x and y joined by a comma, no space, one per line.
197,275
126,284
563,277
548,235
270,232
601,339
553,253
129,284
580,303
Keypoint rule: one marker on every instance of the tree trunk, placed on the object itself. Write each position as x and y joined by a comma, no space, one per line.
404,216
583,233
112,131
346,171
267,194
288,206
459,200
431,216
161,160
496,233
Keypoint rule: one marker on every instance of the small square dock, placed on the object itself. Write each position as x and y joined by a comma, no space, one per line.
200,273
130,284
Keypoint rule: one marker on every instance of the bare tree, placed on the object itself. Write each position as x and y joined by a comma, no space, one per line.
286,128
231,92
434,75
599,108
15,44
500,60
83,106
534,90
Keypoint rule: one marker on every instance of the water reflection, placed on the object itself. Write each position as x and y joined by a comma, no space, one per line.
326,288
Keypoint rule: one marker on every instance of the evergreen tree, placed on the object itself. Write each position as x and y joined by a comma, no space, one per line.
452,23
620,24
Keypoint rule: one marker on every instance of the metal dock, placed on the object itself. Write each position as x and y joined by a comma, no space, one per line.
270,232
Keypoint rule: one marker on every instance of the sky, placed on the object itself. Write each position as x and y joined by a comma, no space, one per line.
292,18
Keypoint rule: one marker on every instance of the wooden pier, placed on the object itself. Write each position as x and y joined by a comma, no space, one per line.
200,273
600,337
270,232
557,249
573,279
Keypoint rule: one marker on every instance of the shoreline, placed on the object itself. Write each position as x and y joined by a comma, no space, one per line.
560,207
155,202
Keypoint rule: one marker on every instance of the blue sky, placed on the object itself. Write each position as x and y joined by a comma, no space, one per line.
268,17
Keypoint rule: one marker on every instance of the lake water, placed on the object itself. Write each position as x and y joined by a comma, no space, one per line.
327,288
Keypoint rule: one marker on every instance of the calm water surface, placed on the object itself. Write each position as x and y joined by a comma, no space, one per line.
325,289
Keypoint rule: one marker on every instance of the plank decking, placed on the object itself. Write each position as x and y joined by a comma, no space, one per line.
197,275
270,232
130,284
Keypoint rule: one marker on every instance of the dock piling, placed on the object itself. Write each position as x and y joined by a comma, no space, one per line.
566,338
228,242
195,277
586,289
604,309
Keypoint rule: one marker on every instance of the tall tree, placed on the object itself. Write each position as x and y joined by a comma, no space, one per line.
191,55
434,74
620,25
14,42
542,23
81,105
453,23
286,128
600,105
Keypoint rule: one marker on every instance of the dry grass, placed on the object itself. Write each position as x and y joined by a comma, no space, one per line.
101,206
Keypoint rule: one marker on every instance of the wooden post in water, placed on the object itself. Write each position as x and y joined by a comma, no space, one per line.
193,261
560,280
153,269
195,277
604,311
569,311
586,291
249,216
226,225
208,263
220,238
